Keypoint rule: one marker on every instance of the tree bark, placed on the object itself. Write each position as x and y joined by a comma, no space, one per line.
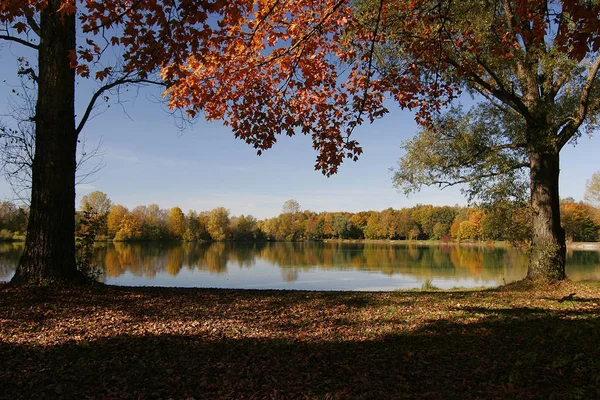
547,256
49,253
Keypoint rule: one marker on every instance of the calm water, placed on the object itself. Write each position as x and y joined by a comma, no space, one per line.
318,266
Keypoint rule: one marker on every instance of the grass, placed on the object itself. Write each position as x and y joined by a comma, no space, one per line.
517,341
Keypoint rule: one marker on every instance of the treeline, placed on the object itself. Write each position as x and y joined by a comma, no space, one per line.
505,221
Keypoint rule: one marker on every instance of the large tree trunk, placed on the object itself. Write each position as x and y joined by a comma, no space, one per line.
547,256
50,245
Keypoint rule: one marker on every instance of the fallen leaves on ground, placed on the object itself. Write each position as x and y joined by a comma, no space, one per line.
103,342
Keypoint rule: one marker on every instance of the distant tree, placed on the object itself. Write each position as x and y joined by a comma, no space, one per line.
95,206
314,228
467,230
155,223
405,223
592,190
192,232
455,227
245,228
372,228
176,223
388,224
440,230
203,219
578,221
290,207
12,218
218,224
97,202
115,217
342,227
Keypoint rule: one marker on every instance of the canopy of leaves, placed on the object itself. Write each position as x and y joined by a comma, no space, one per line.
483,147
532,64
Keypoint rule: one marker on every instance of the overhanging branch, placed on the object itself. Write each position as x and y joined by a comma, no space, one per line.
121,81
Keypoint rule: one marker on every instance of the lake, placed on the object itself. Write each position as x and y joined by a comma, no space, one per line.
311,266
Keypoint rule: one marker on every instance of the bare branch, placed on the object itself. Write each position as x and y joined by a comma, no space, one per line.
121,81
33,25
30,72
19,40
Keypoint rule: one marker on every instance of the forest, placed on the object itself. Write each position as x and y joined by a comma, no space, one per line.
506,221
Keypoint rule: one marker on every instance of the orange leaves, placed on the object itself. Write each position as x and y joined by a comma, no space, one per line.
316,67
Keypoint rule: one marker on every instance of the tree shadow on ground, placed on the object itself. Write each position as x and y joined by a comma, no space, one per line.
513,353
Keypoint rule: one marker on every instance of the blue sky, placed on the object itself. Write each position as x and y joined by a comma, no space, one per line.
147,159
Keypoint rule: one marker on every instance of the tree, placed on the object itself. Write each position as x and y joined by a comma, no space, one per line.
245,228
96,201
239,61
176,223
218,224
318,68
290,207
155,222
578,221
49,28
94,209
341,226
115,217
534,66
592,189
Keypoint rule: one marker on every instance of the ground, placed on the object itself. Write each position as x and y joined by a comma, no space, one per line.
518,341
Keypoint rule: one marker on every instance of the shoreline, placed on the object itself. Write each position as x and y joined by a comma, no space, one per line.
591,246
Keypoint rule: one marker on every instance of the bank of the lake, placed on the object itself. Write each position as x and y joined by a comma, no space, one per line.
590,246
122,342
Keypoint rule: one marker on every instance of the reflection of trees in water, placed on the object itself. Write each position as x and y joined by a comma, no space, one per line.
422,262
289,274
9,258
583,265
149,259
425,262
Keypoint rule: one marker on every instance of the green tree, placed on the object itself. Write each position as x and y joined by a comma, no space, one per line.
97,202
342,227
155,223
12,218
592,190
95,208
535,72
245,228
218,224
192,232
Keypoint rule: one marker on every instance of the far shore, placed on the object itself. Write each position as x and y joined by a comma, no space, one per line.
595,246
589,246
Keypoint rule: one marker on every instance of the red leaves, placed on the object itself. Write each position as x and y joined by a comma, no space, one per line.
273,67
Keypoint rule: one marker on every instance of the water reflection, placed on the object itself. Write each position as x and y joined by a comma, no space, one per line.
286,265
